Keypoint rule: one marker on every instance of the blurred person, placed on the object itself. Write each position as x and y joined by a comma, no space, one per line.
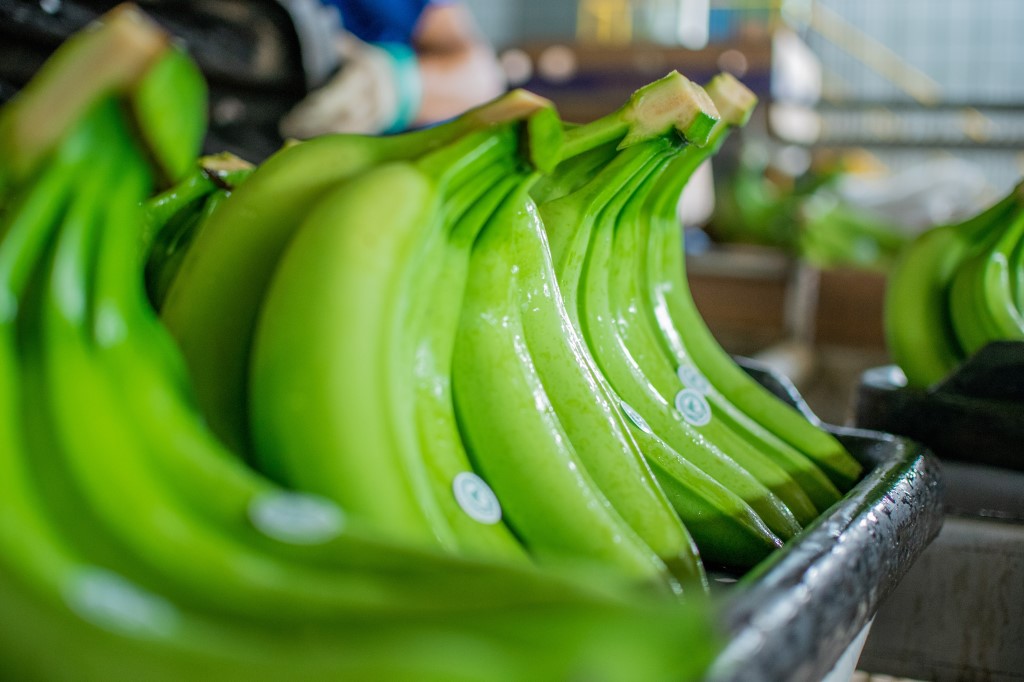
402,64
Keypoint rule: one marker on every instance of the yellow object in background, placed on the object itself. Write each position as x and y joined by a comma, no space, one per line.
605,21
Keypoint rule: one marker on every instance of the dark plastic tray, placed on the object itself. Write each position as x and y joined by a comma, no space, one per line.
792,617
976,415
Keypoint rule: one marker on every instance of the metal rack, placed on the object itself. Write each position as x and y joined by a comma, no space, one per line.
918,79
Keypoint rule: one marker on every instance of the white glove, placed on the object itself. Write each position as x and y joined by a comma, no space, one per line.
376,91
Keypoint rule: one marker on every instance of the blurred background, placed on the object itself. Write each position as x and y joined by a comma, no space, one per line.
877,119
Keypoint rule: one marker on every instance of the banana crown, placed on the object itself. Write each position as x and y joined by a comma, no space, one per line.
670,103
125,53
673,104
543,136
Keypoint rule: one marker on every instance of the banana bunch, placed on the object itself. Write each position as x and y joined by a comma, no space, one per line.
806,216
139,546
956,288
743,471
437,405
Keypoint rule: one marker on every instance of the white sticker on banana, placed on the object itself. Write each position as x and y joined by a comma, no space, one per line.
693,406
296,518
693,378
476,498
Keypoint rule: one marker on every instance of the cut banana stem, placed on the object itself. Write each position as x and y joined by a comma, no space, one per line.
672,104
112,57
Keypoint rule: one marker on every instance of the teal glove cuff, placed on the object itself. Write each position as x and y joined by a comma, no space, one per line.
407,82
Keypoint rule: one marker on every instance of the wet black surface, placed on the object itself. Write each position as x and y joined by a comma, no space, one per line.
975,416
793,616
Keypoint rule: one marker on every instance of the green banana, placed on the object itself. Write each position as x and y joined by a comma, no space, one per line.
337,423
513,434
39,570
569,221
590,415
110,58
354,393
1017,276
468,503
918,329
639,338
586,406
173,142
212,305
676,307
620,367
124,487
657,278
26,230
726,529
982,305
573,172
122,494
134,370
168,252
733,534
99,450
594,144
174,217
683,347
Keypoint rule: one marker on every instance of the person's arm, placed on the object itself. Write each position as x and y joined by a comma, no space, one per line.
457,65
388,87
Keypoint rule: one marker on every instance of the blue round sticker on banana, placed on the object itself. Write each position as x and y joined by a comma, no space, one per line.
693,406
476,498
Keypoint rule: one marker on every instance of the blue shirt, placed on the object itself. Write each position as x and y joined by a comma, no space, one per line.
381,21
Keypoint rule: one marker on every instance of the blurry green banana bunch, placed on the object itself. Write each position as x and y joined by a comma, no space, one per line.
956,288
430,406
806,216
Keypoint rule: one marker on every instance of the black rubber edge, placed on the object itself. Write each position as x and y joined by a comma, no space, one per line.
792,617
